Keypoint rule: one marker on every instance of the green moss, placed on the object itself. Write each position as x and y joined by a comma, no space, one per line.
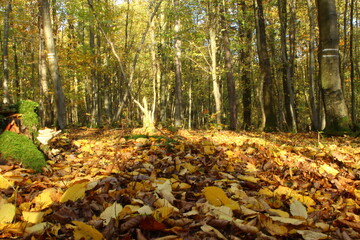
29,118
20,148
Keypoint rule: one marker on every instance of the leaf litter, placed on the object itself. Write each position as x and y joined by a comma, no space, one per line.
111,184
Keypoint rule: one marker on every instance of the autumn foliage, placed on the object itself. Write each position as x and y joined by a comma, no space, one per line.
111,184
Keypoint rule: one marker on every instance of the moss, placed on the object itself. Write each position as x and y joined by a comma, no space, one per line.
29,118
20,148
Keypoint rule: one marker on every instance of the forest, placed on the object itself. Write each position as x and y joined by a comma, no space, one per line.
179,119
273,65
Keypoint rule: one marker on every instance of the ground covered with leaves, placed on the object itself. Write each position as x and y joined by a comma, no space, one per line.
116,184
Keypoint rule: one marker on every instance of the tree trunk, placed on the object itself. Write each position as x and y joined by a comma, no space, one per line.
6,97
178,70
53,65
337,117
352,67
245,33
265,68
213,53
287,64
46,114
313,88
229,69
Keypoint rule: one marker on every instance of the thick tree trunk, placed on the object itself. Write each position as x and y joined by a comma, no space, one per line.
265,68
178,70
6,97
337,117
229,69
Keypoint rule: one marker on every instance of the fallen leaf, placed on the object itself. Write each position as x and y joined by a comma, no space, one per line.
312,235
217,197
37,228
111,212
33,217
7,213
297,209
74,192
85,231
4,183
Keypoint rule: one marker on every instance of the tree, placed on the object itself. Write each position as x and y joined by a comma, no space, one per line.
178,70
229,68
212,25
6,97
265,70
53,64
337,117
288,62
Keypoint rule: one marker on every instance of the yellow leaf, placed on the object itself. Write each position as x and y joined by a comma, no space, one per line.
180,186
279,212
190,167
326,168
163,213
33,217
248,178
217,197
111,212
7,213
266,192
74,192
209,150
85,231
4,183
37,228
293,194
45,198
272,227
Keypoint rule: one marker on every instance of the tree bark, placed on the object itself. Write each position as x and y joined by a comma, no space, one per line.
213,52
352,66
245,33
287,64
6,97
265,68
53,65
337,117
46,114
229,69
313,88
178,69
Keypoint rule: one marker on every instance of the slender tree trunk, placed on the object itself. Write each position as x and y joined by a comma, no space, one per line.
337,117
6,97
229,69
313,89
352,66
178,70
287,63
17,84
53,65
213,53
265,68
245,33
46,114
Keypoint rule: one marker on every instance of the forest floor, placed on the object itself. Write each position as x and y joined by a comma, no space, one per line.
115,184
